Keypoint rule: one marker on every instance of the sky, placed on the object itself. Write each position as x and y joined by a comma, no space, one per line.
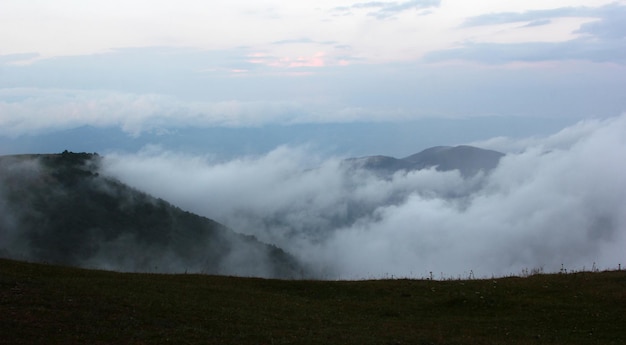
242,111
240,77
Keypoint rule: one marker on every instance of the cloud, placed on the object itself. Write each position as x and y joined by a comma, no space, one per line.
363,25
539,22
49,96
29,111
166,88
562,140
384,10
559,201
17,59
598,41
531,16
501,53
318,59
612,24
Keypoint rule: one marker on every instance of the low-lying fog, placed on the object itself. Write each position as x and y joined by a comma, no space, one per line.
559,200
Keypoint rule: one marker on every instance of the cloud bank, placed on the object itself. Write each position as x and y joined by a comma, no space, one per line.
58,95
559,201
598,38
25,110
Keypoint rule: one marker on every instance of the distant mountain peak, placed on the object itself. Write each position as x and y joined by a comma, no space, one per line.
469,160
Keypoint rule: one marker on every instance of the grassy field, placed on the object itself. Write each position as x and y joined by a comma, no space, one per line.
59,305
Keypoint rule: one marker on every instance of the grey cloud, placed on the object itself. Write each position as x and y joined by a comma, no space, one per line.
612,13
559,201
530,16
16,58
384,10
602,40
151,89
149,69
539,22
499,53
387,98
612,25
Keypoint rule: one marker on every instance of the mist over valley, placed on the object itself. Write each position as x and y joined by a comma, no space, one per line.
446,211
553,201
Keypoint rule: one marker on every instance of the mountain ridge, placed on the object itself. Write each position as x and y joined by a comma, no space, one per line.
62,208
58,208
468,160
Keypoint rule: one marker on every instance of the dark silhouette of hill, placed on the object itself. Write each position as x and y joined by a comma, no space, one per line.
58,208
468,160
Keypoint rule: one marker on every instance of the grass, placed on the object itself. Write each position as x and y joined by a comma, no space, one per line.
61,305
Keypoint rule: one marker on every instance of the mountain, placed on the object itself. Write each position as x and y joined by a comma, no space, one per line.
58,208
468,160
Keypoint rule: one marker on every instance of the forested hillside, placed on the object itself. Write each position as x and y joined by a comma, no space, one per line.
59,209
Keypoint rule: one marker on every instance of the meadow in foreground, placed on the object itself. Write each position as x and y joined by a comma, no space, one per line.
60,305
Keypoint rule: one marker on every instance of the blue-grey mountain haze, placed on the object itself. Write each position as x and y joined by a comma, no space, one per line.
243,112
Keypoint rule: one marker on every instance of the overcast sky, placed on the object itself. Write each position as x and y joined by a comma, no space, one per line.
499,68
222,106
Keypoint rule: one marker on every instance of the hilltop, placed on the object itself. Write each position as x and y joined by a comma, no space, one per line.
58,208
468,160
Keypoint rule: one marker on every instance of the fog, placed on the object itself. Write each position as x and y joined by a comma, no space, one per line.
553,202
59,209
12,243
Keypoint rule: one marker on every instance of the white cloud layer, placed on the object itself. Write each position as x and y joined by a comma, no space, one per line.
34,111
117,90
561,140
559,201
28,111
372,30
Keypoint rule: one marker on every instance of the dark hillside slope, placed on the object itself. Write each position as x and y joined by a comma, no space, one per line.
381,164
59,209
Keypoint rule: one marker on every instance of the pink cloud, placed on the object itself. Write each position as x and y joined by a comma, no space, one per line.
317,60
